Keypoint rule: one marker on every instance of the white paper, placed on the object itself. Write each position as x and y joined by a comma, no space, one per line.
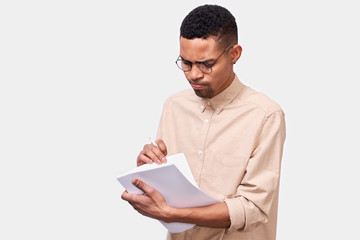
174,181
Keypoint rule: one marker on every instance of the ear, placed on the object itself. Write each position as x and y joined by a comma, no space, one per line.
235,53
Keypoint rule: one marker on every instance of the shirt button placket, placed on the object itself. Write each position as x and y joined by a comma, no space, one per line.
208,113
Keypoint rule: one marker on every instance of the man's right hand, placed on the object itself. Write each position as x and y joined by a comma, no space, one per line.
152,153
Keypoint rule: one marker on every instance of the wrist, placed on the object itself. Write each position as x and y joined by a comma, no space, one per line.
172,214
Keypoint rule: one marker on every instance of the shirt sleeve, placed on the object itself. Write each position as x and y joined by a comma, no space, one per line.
257,194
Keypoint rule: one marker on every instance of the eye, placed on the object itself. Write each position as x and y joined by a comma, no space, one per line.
205,65
186,62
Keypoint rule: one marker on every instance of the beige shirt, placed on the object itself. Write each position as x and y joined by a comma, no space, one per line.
233,143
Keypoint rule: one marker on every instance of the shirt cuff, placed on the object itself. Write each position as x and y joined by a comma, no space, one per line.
237,214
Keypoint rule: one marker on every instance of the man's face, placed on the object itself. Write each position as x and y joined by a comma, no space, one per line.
199,50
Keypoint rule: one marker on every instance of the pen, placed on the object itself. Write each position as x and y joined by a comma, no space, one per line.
153,143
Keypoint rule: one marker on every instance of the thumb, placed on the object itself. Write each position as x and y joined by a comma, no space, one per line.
143,186
149,191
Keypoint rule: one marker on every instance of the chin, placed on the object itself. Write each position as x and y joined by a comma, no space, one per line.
204,94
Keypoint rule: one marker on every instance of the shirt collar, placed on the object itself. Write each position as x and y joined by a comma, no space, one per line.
224,98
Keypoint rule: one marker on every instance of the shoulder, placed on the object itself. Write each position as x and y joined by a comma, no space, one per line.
259,101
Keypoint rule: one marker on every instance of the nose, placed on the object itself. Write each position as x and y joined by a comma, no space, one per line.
195,73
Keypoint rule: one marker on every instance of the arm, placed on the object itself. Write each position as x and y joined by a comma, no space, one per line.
257,195
152,204
216,215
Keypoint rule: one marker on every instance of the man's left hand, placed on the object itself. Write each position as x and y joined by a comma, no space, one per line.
151,204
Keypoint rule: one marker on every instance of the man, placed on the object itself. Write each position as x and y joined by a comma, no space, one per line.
232,137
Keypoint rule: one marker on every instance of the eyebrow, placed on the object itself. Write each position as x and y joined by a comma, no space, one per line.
205,61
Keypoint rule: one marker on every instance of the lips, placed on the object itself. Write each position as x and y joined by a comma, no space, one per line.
197,86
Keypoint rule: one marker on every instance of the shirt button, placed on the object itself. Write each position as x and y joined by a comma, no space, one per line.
206,121
202,107
209,103
199,152
218,109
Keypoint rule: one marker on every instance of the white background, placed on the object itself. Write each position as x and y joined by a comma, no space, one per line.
82,87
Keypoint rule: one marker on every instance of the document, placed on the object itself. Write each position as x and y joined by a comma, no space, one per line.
174,181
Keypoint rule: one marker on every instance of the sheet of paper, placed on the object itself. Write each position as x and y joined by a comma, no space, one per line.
174,181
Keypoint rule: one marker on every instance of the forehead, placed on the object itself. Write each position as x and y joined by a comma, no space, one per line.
198,49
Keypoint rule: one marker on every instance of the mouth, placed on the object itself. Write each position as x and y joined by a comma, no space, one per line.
197,86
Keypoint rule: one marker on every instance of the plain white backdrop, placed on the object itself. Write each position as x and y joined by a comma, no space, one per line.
82,85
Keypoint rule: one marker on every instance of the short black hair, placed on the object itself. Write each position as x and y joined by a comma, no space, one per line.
210,20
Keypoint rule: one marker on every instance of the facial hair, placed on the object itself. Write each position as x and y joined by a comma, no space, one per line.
205,93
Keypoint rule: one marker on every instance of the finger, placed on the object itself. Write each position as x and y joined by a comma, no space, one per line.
162,146
126,195
133,198
154,153
160,155
143,159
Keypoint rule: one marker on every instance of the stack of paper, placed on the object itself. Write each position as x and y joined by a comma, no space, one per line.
174,181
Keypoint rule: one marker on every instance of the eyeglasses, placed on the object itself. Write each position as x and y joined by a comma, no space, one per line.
205,66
